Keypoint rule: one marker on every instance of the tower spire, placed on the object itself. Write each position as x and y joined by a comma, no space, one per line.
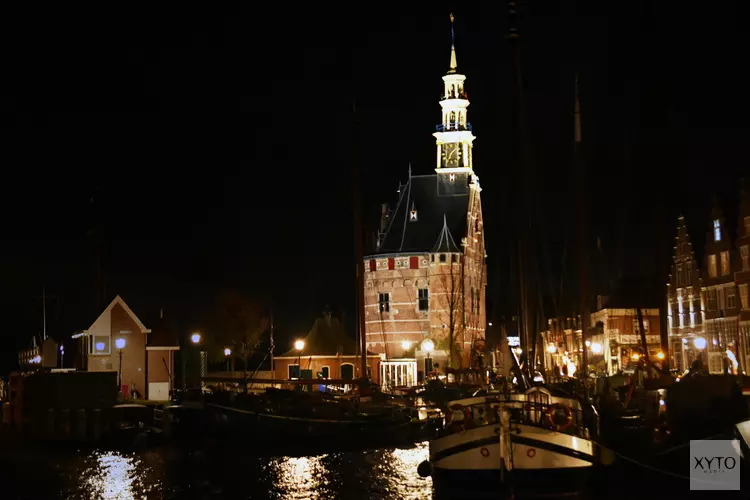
454,65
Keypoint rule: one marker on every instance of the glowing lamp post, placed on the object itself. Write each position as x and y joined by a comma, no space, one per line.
228,354
120,345
195,338
428,346
551,348
700,344
299,345
596,348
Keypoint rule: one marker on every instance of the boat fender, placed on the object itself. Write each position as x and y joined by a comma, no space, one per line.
485,452
424,469
553,410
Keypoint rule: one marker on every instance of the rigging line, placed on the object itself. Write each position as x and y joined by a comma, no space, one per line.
406,211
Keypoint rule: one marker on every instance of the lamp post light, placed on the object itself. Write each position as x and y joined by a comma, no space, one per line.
428,346
700,344
299,345
120,345
228,354
196,338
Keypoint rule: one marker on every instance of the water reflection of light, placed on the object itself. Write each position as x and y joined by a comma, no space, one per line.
403,479
300,477
114,477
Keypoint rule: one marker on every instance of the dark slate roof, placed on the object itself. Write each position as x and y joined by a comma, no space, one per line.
327,337
163,335
436,207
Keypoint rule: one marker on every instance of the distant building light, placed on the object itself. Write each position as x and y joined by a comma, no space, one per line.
514,341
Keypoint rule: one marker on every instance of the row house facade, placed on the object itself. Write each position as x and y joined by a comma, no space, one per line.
708,311
425,280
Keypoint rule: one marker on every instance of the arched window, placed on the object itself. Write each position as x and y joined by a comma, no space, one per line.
347,371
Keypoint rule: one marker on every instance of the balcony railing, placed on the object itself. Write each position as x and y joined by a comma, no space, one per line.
452,127
456,95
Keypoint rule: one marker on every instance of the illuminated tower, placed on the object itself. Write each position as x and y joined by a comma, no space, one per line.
453,136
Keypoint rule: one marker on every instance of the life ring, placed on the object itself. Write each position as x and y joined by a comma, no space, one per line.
553,411
485,452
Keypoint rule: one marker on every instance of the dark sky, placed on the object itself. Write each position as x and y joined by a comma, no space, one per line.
217,144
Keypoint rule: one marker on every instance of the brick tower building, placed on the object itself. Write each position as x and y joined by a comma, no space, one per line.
425,281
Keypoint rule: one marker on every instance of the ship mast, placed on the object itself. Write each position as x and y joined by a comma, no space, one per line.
358,248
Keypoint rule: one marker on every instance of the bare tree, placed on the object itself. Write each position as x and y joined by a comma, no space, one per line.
238,323
453,306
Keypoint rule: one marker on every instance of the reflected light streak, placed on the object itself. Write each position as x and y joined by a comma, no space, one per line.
300,477
115,477
404,480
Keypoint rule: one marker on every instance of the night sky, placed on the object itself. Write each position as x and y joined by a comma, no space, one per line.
213,149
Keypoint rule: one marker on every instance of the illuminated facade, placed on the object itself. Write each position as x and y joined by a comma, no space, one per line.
708,307
426,277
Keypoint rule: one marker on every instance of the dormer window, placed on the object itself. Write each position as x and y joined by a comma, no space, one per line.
717,230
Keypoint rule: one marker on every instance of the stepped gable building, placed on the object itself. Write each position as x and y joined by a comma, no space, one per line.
708,309
425,280
685,311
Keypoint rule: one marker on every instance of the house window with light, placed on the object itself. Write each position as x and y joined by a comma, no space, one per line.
744,298
724,263
100,344
717,230
747,226
745,255
384,300
731,298
423,299
712,266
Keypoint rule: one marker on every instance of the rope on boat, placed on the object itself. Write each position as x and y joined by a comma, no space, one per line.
678,447
662,471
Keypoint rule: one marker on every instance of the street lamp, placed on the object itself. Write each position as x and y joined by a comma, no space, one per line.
299,345
120,345
196,338
700,344
660,355
228,354
596,348
551,348
428,346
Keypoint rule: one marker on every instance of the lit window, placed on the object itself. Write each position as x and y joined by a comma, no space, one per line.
452,177
745,255
747,226
744,299
717,230
724,263
712,266
100,344
731,298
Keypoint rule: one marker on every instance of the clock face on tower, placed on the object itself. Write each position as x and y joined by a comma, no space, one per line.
451,154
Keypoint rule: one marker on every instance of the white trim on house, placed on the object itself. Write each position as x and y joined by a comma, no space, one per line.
118,300
165,348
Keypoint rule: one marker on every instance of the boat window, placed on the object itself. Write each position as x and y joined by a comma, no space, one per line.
325,372
347,371
293,371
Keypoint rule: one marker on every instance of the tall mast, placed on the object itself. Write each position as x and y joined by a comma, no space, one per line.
44,314
358,247
582,247
524,207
